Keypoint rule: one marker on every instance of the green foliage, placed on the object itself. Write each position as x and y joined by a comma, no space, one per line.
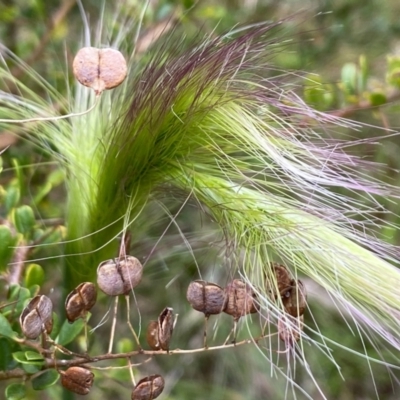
5,327
15,391
69,332
28,357
34,275
11,197
393,74
45,380
6,360
23,220
7,241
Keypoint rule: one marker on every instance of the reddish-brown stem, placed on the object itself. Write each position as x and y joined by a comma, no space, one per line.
85,360
364,105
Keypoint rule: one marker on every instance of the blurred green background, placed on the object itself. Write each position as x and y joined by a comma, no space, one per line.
339,50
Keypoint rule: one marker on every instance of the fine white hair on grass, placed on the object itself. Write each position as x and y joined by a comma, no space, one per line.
211,125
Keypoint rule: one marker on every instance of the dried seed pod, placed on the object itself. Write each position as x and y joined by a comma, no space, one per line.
165,327
206,297
148,388
295,300
152,335
77,379
99,69
80,301
240,299
120,275
37,317
290,328
283,281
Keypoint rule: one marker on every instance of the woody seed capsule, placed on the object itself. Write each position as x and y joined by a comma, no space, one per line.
37,317
120,275
289,329
296,299
80,301
240,299
99,69
148,388
283,281
206,297
152,335
77,379
165,327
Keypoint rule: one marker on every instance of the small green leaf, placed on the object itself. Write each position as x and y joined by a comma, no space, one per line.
33,355
19,175
20,295
69,332
31,368
7,241
56,236
5,327
363,73
24,219
377,99
13,292
19,356
6,359
24,294
34,290
11,197
34,275
44,190
55,178
34,358
393,71
349,78
56,326
43,381
125,345
15,391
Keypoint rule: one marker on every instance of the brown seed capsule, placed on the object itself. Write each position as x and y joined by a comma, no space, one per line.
77,379
148,388
240,299
289,329
99,69
120,275
295,300
283,281
206,297
165,327
152,335
80,301
37,317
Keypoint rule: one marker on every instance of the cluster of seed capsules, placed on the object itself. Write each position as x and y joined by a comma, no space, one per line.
120,275
239,299
115,277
